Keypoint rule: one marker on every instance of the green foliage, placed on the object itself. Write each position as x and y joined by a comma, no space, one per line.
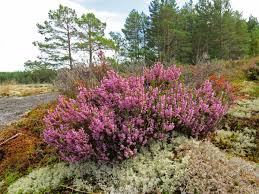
119,45
253,28
11,177
240,143
135,33
196,33
59,33
166,34
91,35
64,34
28,77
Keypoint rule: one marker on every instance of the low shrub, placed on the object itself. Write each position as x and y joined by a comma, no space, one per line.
236,142
68,80
239,134
252,72
112,121
232,70
195,75
245,108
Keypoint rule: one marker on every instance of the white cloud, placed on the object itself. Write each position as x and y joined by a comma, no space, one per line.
18,19
247,7
147,2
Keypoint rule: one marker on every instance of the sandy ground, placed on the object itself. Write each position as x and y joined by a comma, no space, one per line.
12,108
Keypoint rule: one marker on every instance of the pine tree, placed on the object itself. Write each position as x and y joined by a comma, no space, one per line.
253,29
119,45
145,51
91,35
59,37
187,16
166,31
202,31
133,34
240,38
220,9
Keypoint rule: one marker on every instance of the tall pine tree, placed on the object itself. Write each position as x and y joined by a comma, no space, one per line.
91,35
59,38
253,29
166,30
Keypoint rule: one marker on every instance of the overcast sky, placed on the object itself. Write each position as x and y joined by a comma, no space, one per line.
18,19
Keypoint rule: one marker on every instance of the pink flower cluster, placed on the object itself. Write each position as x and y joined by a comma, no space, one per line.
112,121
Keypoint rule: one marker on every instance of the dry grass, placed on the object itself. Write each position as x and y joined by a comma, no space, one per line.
234,71
12,89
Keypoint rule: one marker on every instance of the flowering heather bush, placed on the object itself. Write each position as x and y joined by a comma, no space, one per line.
112,121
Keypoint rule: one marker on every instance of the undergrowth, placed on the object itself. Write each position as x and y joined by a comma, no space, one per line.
27,150
28,164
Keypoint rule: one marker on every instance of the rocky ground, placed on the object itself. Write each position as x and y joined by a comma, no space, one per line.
12,108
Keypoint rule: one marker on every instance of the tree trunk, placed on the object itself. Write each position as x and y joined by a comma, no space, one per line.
90,56
69,48
90,47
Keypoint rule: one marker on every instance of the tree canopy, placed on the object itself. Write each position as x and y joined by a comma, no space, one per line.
194,33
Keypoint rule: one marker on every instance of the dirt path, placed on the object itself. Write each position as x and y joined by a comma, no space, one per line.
12,108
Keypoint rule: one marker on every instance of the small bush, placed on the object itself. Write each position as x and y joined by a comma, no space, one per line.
68,80
195,75
112,121
239,143
252,72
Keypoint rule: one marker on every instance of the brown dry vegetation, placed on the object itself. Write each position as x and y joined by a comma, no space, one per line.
27,150
12,89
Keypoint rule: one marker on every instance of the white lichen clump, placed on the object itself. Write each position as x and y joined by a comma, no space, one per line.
245,108
238,142
156,168
184,165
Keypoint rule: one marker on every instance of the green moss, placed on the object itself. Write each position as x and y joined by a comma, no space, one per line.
33,121
10,177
